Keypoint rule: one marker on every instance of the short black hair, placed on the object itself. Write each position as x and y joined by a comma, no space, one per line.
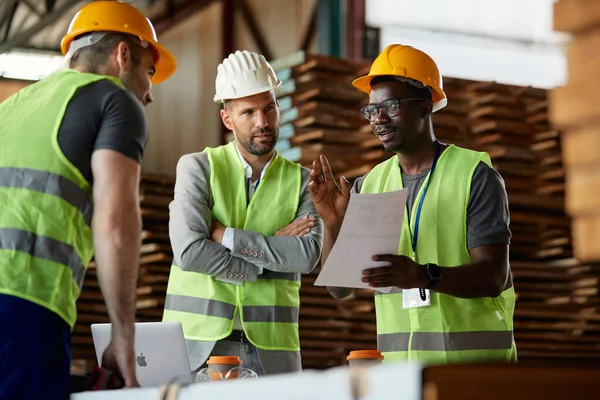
424,92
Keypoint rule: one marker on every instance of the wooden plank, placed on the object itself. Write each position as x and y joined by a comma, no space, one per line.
575,16
155,201
586,233
545,145
580,146
510,153
480,126
573,106
500,139
497,112
328,91
495,98
523,93
536,202
536,106
302,62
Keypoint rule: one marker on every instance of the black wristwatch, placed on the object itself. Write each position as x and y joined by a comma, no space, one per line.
435,274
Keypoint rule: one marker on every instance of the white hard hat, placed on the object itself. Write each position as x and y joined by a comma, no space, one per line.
243,74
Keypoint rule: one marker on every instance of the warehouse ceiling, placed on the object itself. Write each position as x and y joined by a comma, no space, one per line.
41,24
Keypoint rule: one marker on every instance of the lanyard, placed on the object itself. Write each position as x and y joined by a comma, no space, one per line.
415,236
248,190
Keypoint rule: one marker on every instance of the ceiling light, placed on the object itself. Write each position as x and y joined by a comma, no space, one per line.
30,66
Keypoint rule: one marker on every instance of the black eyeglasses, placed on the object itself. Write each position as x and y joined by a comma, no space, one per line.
391,108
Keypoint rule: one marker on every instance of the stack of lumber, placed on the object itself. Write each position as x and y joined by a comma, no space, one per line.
320,113
155,259
574,110
330,328
557,314
511,124
450,123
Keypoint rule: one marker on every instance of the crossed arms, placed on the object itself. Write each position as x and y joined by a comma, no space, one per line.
194,250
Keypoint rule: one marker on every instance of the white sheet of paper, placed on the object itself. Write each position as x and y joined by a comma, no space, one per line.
372,226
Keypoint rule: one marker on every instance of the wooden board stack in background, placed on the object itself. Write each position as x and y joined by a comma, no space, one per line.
155,260
557,315
450,123
511,124
320,114
574,109
330,328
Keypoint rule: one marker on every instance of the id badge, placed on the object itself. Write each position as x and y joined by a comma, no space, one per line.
411,298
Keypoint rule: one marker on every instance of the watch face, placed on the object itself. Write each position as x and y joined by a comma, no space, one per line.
434,271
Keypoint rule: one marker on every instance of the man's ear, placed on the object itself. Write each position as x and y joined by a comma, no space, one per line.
123,56
226,118
426,109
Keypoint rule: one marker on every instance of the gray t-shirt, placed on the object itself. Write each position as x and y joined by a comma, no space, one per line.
102,115
488,217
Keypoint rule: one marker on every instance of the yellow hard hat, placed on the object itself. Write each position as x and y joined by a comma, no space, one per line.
409,64
114,16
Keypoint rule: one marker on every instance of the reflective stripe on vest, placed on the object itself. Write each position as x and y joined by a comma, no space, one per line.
270,314
268,307
286,276
451,329
445,341
47,206
189,304
48,183
216,308
43,247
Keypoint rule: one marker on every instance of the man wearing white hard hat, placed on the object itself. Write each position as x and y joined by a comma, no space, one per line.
243,229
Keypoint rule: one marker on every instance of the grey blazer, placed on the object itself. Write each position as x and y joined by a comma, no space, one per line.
189,231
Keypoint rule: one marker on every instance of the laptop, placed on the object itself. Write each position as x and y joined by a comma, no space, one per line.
161,354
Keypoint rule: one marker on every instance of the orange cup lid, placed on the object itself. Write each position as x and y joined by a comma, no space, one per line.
372,354
224,360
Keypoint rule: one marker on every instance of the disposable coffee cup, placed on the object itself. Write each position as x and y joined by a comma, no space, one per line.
364,358
219,366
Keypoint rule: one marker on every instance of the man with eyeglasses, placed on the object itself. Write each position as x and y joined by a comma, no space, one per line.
452,298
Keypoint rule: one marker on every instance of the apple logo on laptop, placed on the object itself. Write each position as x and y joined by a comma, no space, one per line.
141,360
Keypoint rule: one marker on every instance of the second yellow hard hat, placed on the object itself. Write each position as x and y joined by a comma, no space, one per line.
409,63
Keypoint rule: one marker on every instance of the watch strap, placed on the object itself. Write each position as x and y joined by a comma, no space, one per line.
434,279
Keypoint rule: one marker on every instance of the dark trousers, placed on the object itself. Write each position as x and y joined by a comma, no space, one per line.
35,351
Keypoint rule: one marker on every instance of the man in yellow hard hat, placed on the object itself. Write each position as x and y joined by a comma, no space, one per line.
243,229
452,298
70,151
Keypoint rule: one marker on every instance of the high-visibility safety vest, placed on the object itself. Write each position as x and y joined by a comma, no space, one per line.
268,307
451,329
45,202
